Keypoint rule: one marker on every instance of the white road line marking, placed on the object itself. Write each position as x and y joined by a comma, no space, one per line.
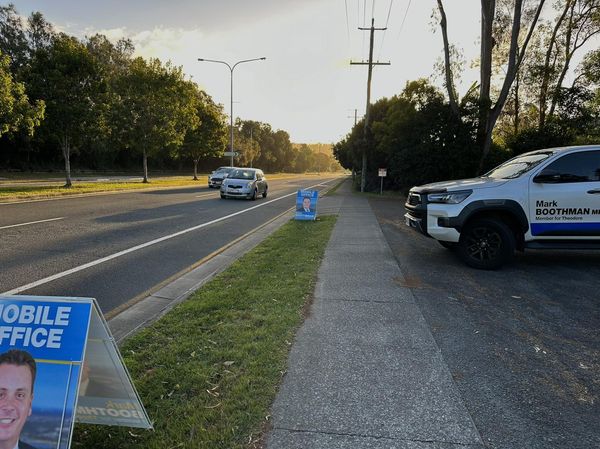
93,263
207,194
31,222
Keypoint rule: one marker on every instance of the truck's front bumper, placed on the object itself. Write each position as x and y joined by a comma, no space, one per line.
415,223
429,219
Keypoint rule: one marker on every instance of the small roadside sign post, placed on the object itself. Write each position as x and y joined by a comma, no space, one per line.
61,354
231,154
382,174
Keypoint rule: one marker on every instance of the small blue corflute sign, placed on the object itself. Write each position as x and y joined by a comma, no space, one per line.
306,204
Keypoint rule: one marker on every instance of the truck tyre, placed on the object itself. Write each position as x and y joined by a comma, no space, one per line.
486,244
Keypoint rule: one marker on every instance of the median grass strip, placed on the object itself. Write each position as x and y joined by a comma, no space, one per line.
27,192
209,370
78,188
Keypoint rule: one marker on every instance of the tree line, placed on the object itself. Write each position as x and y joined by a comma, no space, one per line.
523,100
91,102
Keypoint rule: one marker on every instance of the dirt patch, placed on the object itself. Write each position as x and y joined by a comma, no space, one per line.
411,282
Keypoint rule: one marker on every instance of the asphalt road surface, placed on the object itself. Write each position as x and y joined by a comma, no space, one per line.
522,343
109,247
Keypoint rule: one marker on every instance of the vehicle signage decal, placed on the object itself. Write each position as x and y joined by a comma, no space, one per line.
553,218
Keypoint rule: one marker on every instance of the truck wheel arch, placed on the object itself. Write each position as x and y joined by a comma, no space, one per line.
508,211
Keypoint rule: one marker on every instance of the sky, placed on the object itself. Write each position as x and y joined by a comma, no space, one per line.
306,86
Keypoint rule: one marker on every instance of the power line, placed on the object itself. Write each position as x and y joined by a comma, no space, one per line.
347,23
404,19
364,24
389,12
386,24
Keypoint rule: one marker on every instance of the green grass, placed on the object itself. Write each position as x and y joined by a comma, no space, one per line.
337,186
27,192
209,370
30,192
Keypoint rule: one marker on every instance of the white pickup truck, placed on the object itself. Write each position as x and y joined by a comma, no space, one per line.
542,199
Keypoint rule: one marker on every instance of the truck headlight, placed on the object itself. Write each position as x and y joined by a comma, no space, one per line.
449,197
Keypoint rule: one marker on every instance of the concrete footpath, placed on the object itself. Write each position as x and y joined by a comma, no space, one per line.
364,370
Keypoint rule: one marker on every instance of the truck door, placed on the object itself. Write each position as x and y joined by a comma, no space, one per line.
564,198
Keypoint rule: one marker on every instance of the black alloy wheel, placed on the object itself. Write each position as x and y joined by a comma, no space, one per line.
486,244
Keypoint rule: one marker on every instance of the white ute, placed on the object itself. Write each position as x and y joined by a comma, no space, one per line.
541,199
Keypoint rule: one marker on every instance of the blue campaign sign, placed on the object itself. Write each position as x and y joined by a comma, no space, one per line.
50,330
306,204
42,348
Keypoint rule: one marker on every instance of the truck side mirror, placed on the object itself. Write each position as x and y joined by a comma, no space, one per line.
547,177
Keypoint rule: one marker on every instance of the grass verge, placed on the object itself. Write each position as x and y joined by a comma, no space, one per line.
27,192
208,371
332,191
30,192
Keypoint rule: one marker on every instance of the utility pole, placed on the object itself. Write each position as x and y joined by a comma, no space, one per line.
355,116
370,63
251,147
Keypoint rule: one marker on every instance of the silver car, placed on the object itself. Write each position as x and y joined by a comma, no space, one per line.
215,179
245,183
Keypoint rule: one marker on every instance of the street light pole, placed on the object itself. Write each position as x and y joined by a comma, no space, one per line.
231,67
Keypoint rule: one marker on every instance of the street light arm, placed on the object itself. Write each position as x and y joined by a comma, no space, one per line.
214,60
247,60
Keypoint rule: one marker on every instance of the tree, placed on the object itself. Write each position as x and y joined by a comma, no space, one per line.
13,41
156,108
489,111
16,113
583,23
247,133
321,162
449,75
417,137
209,137
39,32
65,77
112,61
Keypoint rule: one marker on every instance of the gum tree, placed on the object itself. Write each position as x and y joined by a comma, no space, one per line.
209,137
16,113
65,77
156,108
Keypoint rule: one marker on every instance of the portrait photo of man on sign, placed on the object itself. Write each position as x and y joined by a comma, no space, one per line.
305,205
17,378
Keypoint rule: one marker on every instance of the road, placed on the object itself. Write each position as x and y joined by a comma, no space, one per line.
119,247
522,343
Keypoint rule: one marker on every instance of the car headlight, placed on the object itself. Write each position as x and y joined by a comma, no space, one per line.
249,185
449,197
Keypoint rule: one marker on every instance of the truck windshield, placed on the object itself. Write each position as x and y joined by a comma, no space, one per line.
516,166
